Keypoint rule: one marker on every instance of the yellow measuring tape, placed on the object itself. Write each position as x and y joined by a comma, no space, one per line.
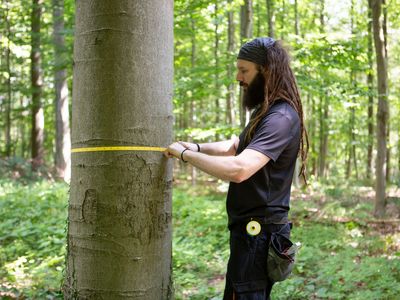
118,148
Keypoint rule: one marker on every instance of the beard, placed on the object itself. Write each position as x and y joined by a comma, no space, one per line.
254,94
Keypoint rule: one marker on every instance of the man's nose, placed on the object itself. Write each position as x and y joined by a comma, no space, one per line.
239,77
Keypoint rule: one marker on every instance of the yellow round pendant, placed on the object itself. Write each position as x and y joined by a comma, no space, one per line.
253,228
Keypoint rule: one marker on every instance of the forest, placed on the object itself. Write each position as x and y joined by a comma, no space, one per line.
71,77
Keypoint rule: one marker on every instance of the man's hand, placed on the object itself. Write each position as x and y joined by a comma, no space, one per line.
174,150
190,146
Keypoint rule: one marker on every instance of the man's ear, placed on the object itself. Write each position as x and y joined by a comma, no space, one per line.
260,69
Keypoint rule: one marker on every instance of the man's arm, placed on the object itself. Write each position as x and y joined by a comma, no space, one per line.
230,168
223,148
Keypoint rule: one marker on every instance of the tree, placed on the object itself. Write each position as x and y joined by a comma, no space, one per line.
382,113
37,136
230,97
271,18
63,137
119,229
246,32
370,82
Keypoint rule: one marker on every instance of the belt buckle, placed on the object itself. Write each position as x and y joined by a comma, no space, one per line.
253,228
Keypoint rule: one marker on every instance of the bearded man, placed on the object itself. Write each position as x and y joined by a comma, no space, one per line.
259,164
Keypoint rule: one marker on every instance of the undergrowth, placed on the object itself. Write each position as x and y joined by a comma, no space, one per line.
345,254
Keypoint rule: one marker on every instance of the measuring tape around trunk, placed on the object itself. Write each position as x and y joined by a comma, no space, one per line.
118,148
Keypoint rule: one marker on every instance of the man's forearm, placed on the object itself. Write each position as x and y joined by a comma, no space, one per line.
222,148
225,168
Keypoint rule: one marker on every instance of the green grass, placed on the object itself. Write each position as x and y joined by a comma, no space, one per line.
346,254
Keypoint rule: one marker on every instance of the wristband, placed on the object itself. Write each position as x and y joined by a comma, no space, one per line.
185,161
198,147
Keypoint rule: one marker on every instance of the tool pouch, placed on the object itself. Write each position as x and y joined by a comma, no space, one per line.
281,257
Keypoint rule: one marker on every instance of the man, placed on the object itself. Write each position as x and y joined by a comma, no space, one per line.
259,164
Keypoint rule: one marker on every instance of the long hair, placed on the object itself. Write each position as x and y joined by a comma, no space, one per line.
280,83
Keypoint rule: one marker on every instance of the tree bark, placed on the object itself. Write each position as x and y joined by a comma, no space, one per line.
370,83
37,135
216,66
271,18
119,229
230,97
63,137
322,16
8,106
382,113
296,18
246,32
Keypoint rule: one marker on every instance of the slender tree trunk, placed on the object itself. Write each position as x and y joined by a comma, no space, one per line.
230,97
8,106
323,137
271,18
192,102
246,12
388,148
296,18
37,136
322,16
246,32
63,137
352,137
370,83
216,67
119,230
282,19
382,113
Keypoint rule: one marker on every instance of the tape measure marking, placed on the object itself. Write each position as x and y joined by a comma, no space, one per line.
118,148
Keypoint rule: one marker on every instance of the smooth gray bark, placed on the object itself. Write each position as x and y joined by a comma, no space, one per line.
382,113
37,135
63,136
119,229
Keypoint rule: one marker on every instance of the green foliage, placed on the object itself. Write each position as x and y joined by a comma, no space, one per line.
32,238
351,259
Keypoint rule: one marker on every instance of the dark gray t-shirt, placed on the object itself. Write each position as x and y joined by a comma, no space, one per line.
266,194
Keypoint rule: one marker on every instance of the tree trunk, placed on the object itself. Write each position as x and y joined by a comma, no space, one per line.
37,136
119,229
271,18
8,107
230,97
63,137
193,100
216,66
322,16
388,148
282,20
370,82
323,137
382,113
246,20
296,18
246,32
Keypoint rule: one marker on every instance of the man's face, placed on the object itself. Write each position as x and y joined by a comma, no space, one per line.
247,70
253,83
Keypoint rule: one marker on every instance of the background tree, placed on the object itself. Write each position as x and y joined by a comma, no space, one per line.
63,137
119,230
382,113
37,136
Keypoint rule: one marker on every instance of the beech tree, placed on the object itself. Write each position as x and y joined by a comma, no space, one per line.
382,113
119,224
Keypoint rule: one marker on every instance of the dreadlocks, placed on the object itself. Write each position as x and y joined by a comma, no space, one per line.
280,83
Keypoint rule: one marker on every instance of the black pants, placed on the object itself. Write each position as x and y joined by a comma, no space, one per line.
246,277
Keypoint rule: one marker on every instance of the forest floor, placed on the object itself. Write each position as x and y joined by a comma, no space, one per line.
346,253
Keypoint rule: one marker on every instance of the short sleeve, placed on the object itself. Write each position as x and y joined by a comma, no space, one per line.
272,135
